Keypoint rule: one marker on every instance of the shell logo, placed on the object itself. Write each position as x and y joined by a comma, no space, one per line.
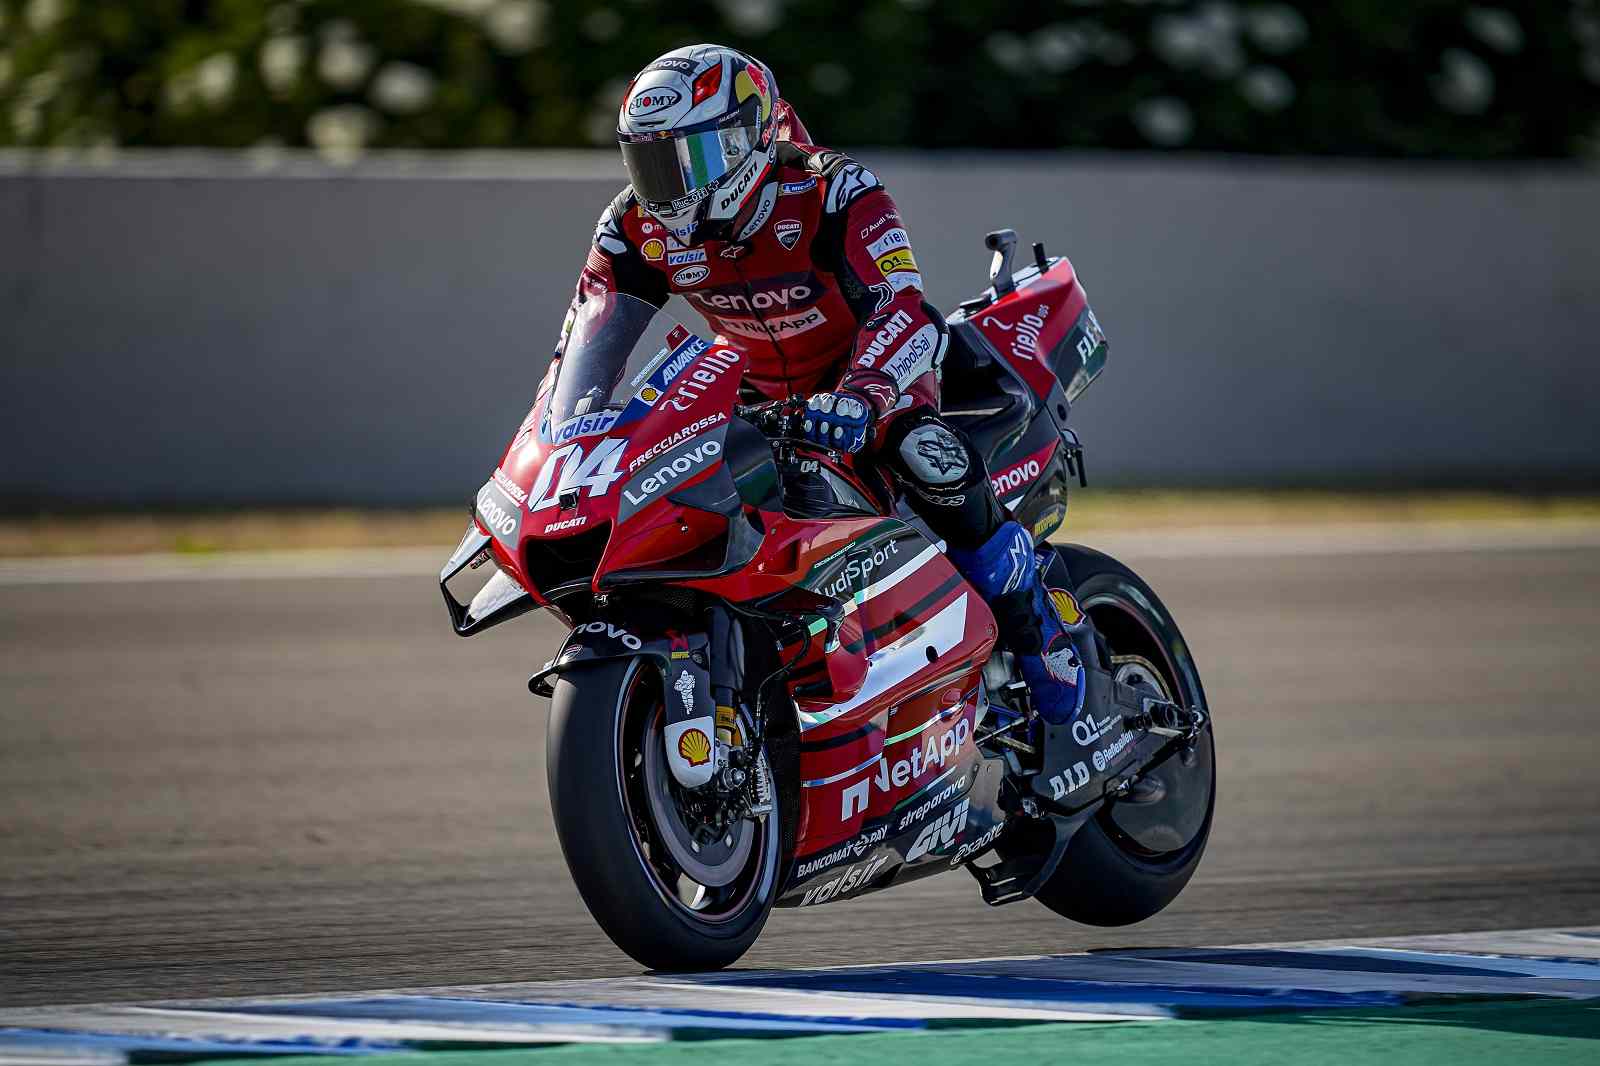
653,250
1066,606
694,746
649,394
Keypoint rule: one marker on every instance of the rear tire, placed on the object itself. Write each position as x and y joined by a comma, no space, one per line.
1131,860
613,843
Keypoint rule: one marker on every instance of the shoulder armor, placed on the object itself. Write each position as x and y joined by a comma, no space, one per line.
847,180
608,231
847,184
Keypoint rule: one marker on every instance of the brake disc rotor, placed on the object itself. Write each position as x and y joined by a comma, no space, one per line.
713,864
1139,672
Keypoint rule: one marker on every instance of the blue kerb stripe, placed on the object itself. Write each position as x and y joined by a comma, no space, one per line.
1066,993
65,1038
469,1011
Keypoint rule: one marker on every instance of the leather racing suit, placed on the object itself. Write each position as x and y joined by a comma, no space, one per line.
816,281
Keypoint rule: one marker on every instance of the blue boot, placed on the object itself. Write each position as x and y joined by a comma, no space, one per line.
1006,572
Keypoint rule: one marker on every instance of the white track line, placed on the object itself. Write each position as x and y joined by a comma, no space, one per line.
419,563
1356,538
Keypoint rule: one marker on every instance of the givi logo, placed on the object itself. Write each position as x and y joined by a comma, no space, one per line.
941,834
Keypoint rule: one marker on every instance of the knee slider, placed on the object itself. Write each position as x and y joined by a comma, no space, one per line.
936,459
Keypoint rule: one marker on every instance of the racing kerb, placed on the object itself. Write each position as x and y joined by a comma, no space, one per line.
1427,999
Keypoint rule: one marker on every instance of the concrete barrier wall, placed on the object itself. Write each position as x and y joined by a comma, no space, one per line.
192,329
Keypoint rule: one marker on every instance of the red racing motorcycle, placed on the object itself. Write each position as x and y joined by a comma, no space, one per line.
777,691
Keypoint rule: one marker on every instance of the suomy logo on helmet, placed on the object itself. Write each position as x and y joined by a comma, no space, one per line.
649,101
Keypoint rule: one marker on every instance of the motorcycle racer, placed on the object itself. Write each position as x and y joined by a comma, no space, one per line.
797,255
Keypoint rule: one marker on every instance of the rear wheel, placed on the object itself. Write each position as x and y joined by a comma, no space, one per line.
667,884
1137,854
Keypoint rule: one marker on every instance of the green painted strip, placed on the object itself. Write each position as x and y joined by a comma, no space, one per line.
1528,1033
699,171
913,731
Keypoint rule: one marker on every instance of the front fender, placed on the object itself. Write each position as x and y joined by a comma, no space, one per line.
680,660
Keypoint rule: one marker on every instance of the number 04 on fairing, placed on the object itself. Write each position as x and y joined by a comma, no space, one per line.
777,691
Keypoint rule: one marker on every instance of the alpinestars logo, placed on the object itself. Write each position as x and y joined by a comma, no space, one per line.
1020,552
943,455
941,834
608,235
852,182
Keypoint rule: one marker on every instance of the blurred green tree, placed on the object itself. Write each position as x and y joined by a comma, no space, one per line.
1354,78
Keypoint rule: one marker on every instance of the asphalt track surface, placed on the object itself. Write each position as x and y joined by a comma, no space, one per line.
251,786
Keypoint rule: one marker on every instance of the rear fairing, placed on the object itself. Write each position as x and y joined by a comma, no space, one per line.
1025,357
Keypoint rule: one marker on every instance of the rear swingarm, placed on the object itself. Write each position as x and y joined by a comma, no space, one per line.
1101,754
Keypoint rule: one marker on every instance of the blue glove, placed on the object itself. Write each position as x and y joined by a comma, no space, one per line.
838,420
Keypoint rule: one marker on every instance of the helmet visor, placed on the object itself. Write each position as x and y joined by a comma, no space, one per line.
666,169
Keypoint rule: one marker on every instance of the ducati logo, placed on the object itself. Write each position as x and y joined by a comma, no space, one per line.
788,233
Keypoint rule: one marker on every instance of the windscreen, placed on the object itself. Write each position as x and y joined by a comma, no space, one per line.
615,344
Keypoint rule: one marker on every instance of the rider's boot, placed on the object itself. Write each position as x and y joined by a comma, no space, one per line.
1006,573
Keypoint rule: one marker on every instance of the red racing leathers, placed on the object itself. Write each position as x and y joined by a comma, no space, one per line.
814,280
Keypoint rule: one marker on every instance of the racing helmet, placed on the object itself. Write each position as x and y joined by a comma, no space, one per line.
697,134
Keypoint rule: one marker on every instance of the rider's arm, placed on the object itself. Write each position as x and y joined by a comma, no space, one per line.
615,265
899,339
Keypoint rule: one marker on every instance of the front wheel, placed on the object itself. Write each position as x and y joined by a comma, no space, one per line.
1137,854
667,884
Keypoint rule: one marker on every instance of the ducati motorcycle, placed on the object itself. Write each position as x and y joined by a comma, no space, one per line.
776,689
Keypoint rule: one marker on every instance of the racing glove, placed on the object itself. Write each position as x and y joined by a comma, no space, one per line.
838,420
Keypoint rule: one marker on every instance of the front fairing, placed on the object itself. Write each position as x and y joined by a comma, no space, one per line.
604,482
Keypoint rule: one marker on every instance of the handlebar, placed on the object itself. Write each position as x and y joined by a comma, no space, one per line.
782,422
778,419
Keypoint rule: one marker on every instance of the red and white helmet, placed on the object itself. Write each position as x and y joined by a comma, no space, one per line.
696,132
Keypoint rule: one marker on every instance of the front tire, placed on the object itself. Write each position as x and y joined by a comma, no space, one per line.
610,808
1133,858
